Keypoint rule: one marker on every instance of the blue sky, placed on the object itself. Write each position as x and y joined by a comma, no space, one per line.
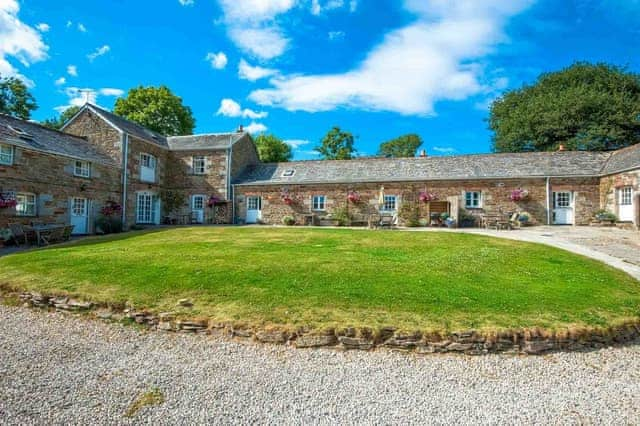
297,67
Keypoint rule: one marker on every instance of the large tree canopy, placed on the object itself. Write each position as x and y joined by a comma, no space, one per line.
402,146
61,120
15,99
586,106
272,149
337,145
156,108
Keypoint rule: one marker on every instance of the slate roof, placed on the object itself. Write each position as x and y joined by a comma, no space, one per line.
43,139
623,159
478,166
129,127
206,141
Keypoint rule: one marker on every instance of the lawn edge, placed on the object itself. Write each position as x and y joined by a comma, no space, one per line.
522,341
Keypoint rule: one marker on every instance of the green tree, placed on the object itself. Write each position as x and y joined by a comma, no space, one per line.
402,146
15,98
272,149
337,145
585,106
156,108
57,122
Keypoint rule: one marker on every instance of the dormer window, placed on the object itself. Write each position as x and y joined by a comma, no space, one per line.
82,169
147,168
6,154
288,173
199,164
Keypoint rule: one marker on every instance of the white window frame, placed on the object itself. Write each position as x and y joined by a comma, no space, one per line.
199,164
254,201
26,204
82,169
146,210
318,202
389,203
473,199
626,196
6,154
148,165
202,199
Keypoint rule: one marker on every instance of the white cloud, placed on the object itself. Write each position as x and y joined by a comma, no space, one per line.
79,96
253,73
353,6
43,28
297,143
335,35
60,81
186,2
217,60
429,60
99,52
317,8
18,41
72,70
69,24
444,149
252,25
255,128
230,108
82,28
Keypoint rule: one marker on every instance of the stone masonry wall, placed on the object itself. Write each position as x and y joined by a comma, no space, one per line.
495,197
98,132
609,186
244,154
50,177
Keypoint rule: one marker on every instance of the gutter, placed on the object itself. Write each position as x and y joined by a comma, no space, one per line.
125,149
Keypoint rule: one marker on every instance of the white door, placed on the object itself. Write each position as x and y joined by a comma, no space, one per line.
563,208
625,204
80,215
148,208
254,209
197,207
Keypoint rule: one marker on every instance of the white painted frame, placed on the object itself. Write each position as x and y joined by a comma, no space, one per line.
6,154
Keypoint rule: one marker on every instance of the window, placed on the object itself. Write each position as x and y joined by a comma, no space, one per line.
147,208
625,196
82,169
473,199
25,204
317,202
563,200
199,165
288,173
390,203
147,168
254,203
198,202
6,154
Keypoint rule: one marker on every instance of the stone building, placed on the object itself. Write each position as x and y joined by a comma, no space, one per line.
100,158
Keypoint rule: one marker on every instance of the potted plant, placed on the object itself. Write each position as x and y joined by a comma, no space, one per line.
444,219
605,216
289,220
425,197
466,219
524,218
213,200
7,201
353,197
519,194
423,221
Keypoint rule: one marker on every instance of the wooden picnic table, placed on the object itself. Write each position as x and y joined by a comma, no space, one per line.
43,231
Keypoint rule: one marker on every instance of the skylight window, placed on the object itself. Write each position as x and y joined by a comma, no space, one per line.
288,173
20,132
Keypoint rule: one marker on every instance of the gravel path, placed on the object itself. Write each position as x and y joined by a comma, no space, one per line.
56,368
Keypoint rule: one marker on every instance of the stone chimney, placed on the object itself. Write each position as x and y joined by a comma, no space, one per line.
423,153
561,148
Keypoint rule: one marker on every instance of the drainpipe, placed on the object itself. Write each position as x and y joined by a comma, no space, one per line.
229,191
125,148
547,200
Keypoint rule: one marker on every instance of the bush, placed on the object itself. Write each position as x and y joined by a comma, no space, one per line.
108,225
410,214
605,215
341,214
466,219
289,220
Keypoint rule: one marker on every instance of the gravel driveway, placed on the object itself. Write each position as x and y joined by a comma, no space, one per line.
57,368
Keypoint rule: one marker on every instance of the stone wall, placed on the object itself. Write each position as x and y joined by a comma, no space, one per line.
244,154
495,197
50,177
98,132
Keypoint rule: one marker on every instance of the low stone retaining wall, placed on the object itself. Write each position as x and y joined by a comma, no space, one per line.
470,342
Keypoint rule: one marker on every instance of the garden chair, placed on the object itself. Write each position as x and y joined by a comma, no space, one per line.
19,235
514,223
68,230
387,221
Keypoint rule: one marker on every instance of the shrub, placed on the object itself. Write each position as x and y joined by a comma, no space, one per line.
466,219
108,225
605,215
341,214
289,220
410,214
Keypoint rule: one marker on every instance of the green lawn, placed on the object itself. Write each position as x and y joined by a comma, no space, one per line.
321,278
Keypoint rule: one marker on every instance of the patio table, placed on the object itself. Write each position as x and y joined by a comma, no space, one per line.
43,230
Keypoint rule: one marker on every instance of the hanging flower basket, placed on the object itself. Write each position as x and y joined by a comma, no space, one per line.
353,196
519,195
287,200
7,201
425,197
213,201
111,208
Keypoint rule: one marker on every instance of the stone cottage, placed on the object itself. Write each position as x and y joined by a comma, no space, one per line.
101,159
